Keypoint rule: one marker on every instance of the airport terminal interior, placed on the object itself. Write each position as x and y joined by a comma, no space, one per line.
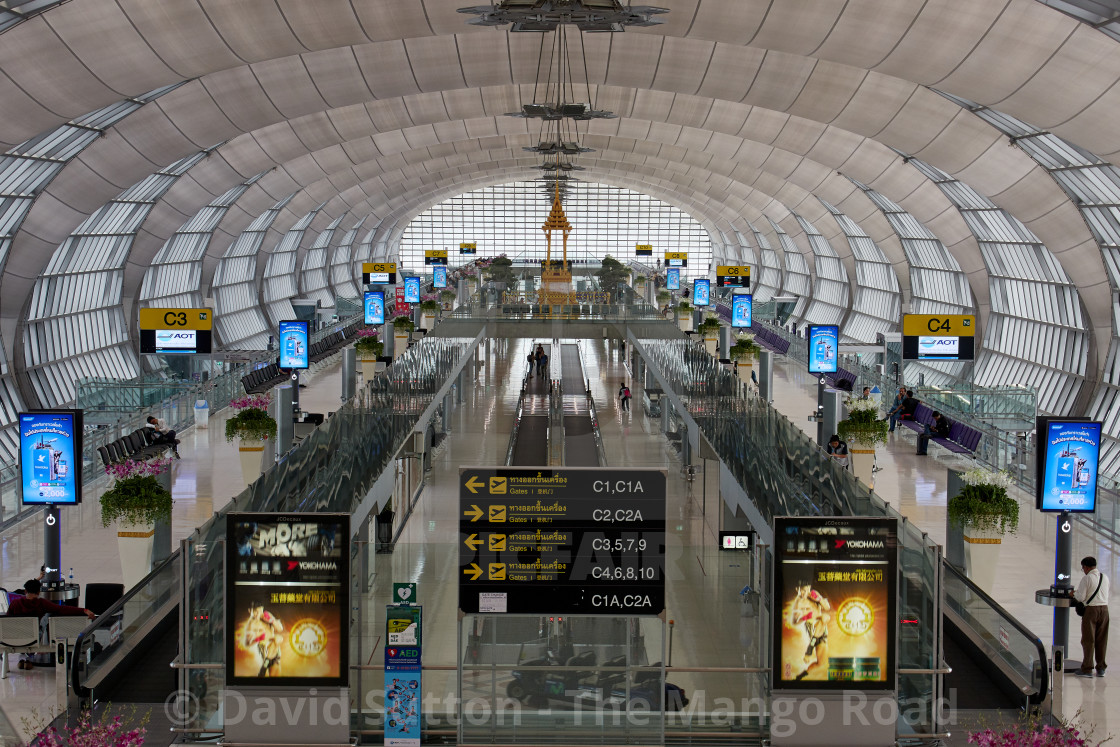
305,306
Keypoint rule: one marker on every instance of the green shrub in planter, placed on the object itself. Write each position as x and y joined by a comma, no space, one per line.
983,503
744,347
369,347
431,305
251,423
684,307
664,296
404,323
448,296
136,497
709,326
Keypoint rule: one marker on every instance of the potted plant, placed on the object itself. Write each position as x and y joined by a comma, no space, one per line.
368,349
448,297
684,316
402,329
138,500
93,732
709,330
253,425
862,430
743,352
429,307
984,512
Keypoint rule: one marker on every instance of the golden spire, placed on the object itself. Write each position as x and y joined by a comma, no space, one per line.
556,220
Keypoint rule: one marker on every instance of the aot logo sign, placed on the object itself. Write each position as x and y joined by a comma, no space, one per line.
167,339
938,346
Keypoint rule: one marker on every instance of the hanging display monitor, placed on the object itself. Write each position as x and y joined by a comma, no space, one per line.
836,600
468,248
673,279
735,276
938,337
643,250
439,277
435,256
676,259
288,602
824,341
294,344
50,449
412,290
379,273
1069,462
375,307
175,331
701,292
741,311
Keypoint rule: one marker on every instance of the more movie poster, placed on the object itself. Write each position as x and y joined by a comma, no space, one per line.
836,585
288,602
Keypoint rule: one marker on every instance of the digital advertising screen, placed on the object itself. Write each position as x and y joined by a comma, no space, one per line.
375,307
288,603
412,290
50,451
439,277
379,278
836,597
673,279
938,348
824,342
294,344
702,292
1070,456
175,331
741,311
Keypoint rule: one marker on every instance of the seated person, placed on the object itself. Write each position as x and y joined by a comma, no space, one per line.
838,450
162,434
31,604
940,427
909,406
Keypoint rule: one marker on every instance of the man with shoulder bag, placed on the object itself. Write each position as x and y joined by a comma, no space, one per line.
1091,605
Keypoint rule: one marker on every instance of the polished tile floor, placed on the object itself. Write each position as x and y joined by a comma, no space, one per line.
711,627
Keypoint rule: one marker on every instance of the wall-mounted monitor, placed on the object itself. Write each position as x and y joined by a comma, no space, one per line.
741,311
673,279
439,277
702,292
824,342
175,331
374,307
412,290
1068,462
50,448
295,342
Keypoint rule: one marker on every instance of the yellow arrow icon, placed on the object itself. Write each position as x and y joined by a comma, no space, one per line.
474,514
473,570
474,484
473,542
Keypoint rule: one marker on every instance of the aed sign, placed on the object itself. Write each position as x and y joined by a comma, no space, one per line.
939,325
176,331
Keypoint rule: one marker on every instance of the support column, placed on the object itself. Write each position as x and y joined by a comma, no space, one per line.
283,404
765,375
349,373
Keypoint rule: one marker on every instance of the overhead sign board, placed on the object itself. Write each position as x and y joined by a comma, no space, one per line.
736,276
176,331
939,325
562,541
288,602
676,255
50,449
643,250
938,337
836,603
468,247
435,256
379,273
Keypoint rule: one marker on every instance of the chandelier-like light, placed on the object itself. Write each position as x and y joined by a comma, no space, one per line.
546,15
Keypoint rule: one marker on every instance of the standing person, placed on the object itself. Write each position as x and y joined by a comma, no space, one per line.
542,364
1093,593
624,396
866,393
896,408
162,434
838,450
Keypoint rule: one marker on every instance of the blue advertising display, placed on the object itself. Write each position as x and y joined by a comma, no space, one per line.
50,448
741,310
702,292
1069,472
412,290
439,277
824,341
294,344
403,700
673,279
375,307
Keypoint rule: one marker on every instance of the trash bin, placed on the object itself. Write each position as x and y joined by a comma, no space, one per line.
201,413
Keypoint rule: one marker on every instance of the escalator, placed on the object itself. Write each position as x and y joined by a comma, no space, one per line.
581,432
529,440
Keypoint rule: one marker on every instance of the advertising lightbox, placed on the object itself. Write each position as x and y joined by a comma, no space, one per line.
836,598
741,311
439,277
50,449
375,307
294,344
702,292
673,279
288,603
1070,457
412,290
824,341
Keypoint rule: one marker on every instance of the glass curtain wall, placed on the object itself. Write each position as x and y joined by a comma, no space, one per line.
830,298
770,268
278,286
313,280
343,266
798,281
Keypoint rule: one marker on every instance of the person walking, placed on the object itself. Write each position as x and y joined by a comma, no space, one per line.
624,396
1093,593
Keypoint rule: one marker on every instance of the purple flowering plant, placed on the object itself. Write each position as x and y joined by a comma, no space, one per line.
1033,734
89,732
258,401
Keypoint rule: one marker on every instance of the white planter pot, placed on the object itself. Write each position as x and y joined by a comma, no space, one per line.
981,554
135,543
744,368
863,464
252,457
685,322
428,321
400,344
371,367
711,344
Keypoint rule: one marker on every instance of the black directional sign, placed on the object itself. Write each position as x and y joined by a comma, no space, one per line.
562,541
